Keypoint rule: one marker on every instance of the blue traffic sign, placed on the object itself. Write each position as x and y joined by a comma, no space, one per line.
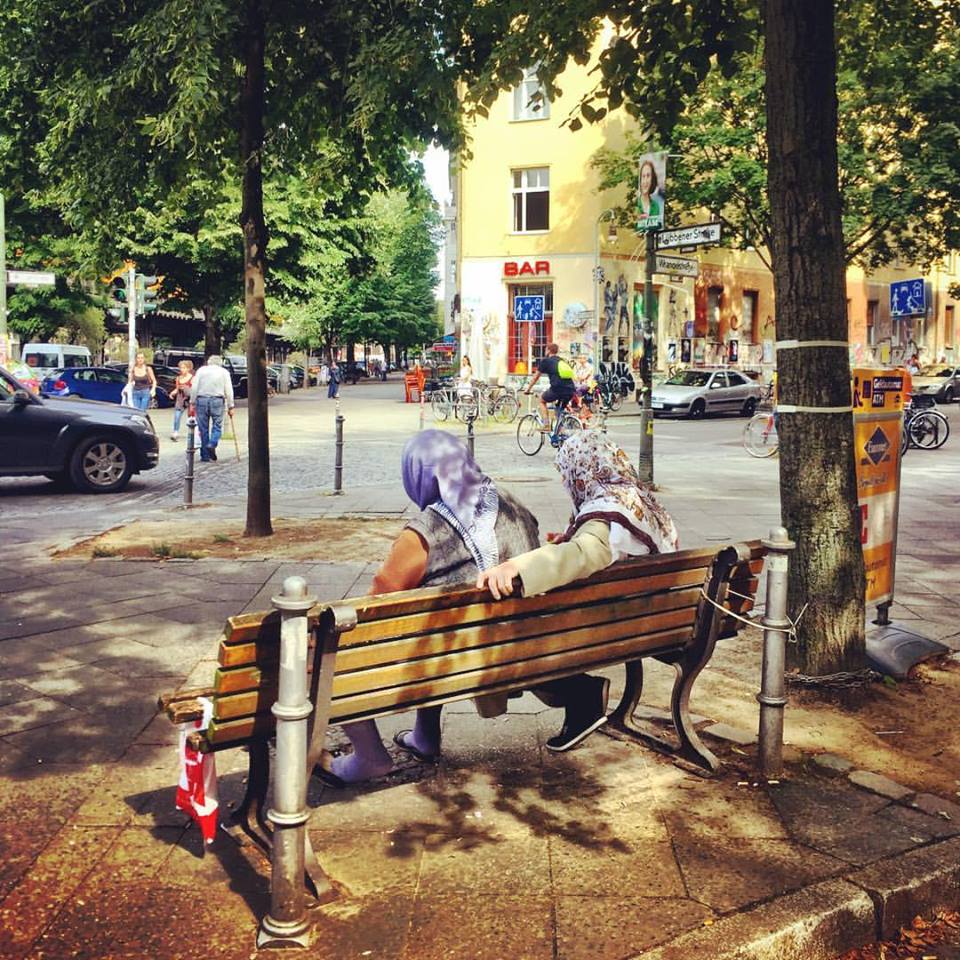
528,309
907,298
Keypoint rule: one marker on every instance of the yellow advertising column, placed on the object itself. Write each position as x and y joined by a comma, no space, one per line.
878,402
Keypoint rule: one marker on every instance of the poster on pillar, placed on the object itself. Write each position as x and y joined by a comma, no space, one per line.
878,402
651,191
639,316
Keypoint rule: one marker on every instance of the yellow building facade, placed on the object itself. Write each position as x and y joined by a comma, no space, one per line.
527,219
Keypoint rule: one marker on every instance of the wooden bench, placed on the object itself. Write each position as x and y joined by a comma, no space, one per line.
374,656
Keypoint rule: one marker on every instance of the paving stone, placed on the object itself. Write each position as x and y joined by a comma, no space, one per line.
368,863
601,928
476,927
729,875
724,731
919,882
816,923
937,807
877,783
833,763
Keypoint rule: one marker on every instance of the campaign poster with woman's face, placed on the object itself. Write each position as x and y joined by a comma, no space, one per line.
651,191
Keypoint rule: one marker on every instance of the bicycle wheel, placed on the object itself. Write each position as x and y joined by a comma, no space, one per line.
760,436
440,406
569,425
529,435
506,409
616,400
466,408
929,430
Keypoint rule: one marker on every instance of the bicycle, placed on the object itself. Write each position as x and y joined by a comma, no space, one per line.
531,430
760,435
927,429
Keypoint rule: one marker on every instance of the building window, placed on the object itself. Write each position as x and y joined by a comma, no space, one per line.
873,309
748,333
528,339
530,98
531,199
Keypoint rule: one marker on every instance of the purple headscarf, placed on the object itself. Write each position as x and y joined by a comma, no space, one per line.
439,473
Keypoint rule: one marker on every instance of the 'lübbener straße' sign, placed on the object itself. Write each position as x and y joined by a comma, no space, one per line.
696,235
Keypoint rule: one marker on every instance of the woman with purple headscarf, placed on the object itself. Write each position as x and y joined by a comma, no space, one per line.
466,526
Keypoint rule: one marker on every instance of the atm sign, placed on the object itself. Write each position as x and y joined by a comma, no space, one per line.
515,268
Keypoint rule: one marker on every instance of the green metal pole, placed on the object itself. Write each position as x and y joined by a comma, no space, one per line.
645,460
4,343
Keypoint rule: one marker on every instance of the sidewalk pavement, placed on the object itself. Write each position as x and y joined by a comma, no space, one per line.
502,850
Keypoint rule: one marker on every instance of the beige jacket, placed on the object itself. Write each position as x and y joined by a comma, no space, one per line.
555,564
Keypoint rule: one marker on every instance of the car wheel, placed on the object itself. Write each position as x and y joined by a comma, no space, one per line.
749,408
100,464
948,395
697,409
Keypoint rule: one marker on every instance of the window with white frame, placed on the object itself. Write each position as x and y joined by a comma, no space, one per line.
530,98
531,199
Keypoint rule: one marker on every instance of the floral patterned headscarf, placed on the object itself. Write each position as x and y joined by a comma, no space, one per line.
604,485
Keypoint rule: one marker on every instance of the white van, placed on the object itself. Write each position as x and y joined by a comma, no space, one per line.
44,358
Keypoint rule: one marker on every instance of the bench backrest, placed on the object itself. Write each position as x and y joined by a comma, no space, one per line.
422,647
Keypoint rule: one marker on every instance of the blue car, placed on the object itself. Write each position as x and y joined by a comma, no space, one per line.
92,383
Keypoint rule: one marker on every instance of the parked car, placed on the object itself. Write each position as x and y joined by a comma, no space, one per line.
351,372
942,384
95,446
693,393
96,383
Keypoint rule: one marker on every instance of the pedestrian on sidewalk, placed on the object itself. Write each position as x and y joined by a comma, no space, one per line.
333,390
467,525
180,394
615,516
143,382
210,394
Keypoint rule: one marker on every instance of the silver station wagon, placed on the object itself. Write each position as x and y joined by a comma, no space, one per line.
695,393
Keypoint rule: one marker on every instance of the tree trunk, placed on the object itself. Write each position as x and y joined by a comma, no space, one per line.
254,275
211,330
350,352
818,492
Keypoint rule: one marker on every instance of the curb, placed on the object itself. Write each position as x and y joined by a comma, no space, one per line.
824,920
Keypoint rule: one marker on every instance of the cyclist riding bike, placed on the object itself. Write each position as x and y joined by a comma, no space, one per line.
561,389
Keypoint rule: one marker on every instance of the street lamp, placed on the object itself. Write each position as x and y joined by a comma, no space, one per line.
598,275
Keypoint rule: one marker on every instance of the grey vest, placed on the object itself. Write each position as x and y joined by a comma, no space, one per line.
450,562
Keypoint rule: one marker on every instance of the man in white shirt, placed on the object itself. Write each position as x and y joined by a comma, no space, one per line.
211,392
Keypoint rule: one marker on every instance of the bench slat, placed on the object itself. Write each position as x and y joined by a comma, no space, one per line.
505,611
489,658
223,733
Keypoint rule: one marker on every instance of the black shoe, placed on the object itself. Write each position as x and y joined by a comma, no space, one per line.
212,451
582,719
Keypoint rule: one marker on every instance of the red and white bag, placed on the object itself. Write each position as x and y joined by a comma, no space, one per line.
197,789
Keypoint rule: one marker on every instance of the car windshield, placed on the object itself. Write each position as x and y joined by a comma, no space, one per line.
690,378
945,373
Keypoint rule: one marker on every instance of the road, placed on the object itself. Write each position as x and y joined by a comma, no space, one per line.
705,459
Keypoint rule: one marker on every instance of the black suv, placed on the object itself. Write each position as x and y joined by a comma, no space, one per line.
165,367
97,446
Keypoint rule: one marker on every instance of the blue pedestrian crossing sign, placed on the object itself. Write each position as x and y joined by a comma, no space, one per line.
907,298
528,309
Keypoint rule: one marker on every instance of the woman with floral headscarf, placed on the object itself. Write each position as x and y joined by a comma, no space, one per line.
466,525
615,516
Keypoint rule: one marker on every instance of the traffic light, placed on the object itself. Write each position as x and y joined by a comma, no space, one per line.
118,297
147,288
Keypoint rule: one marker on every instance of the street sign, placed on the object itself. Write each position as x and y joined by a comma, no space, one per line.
907,298
681,266
528,309
30,278
700,234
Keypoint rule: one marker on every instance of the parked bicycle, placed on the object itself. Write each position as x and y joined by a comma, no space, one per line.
532,431
760,435
923,427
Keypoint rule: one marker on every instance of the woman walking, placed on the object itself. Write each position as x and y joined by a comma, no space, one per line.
180,394
143,382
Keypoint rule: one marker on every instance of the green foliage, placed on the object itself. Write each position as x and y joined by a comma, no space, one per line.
898,140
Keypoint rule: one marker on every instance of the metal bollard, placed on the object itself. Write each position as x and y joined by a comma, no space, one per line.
190,453
772,696
338,458
287,924
470,436
422,408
